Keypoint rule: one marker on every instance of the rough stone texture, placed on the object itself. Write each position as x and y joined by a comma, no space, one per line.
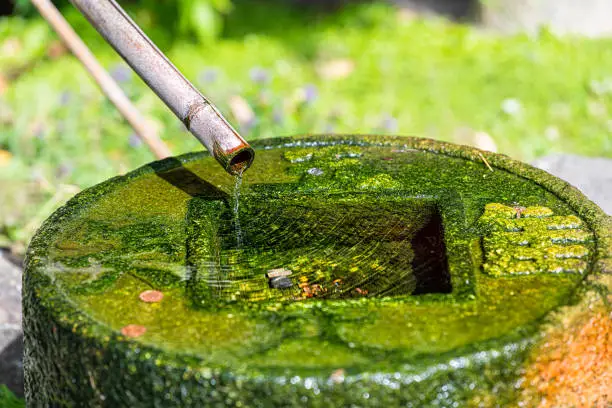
171,228
592,176
11,339
587,17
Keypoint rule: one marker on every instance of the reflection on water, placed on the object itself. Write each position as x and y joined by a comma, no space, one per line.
330,248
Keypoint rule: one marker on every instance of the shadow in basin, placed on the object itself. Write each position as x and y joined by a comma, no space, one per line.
173,171
430,261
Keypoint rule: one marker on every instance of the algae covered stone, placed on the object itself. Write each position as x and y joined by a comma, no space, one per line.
536,243
366,271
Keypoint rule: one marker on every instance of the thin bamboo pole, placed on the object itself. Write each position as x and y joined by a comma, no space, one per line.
198,114
106,83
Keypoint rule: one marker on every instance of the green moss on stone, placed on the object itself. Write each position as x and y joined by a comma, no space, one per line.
299,155
170,226
379,181
540,243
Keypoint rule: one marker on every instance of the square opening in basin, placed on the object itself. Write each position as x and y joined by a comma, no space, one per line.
331,247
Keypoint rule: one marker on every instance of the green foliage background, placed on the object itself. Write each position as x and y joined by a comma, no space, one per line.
8,399
200,18
361,69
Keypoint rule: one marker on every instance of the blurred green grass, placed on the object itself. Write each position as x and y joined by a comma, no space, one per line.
9,400
363,69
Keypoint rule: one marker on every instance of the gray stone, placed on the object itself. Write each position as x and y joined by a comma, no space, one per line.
11,358
10,291
591,175
586,17
11,338
281,282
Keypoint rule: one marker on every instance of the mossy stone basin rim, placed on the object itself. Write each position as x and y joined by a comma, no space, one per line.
360,270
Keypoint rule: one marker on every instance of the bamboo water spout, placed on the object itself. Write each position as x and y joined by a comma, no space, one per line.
198,114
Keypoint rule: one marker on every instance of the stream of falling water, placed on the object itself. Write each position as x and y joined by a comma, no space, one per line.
237,184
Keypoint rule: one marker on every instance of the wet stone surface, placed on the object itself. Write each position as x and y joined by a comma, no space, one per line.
528,240
280,283
436,261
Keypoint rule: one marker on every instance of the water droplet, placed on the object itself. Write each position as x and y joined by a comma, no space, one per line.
315,171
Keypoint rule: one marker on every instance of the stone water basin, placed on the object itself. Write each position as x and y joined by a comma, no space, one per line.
356,270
